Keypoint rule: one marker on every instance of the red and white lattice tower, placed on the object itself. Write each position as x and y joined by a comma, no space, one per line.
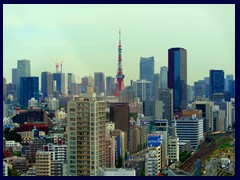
119,76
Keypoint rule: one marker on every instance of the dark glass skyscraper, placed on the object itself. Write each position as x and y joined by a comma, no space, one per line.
47,84
29,88
216,84
177,77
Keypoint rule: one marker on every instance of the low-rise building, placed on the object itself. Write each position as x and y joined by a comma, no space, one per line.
116,172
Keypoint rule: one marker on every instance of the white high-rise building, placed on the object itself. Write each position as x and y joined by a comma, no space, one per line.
32,103
53,104
86,136
163,77
173,149
153,161
190,129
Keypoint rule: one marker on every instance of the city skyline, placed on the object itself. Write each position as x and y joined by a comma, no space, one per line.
86,38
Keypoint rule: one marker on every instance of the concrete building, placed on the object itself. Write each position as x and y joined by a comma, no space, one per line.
110,152
173,149
120,115
142,90
127,96
86,136
53,104
154,162
116,172
32,103
110,85
190,129
166,96
207,113
134,139
43,163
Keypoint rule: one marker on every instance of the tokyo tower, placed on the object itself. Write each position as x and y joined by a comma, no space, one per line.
119,76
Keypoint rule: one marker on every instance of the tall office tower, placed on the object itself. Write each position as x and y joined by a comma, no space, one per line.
164,77
23,70
177,77
120,76
189,93
110,85
99,83
86,136
134,139
147,71
142,90
199,89
190,129
206,80
43,163
230,85
156,85
14,76
153,158
120,115
216,84
47,84
71,79
4,89
29,88
218,119
207,113
166,96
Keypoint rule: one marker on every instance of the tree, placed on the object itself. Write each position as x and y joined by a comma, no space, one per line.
120,163
12,135
13,172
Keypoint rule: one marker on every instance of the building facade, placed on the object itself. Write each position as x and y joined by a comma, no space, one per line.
86,136
177,77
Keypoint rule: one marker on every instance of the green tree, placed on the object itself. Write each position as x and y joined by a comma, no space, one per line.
120,163
13,172
12,135
143,170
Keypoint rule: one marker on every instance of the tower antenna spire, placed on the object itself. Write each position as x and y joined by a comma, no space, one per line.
120,76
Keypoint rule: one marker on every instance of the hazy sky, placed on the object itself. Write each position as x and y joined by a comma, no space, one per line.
86,37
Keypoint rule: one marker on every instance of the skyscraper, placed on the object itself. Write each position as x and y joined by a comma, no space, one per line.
216,84
110,85
47,84
14,76
156,85
147,71
71,79
120,115
29,88
86,136
142,90
177,77
99,83
23,70
163,77
166,96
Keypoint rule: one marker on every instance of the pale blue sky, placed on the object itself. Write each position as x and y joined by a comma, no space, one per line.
86,37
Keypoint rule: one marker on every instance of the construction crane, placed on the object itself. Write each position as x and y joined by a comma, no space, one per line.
61,64
56,65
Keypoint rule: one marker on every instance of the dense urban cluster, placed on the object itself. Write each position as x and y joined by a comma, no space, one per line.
63,125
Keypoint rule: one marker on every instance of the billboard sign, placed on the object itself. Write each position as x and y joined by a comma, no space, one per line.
154,140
